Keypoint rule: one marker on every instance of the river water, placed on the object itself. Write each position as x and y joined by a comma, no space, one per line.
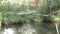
18,29
28,29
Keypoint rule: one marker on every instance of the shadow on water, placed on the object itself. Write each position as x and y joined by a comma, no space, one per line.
17,28
11,28
14,25
43,28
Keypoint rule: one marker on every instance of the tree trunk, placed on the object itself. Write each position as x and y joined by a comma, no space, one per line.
0,21
56,24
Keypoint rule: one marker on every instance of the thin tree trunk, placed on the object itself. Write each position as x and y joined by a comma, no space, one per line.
56,24
0,20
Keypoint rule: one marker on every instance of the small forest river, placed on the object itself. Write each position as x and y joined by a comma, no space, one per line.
27,29
18,29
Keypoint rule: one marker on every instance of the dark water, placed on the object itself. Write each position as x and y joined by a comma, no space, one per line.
28,29
17,29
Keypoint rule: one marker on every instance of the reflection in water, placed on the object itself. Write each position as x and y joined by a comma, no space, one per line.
8,31
25,29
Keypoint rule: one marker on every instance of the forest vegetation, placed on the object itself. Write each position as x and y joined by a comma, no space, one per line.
46,15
